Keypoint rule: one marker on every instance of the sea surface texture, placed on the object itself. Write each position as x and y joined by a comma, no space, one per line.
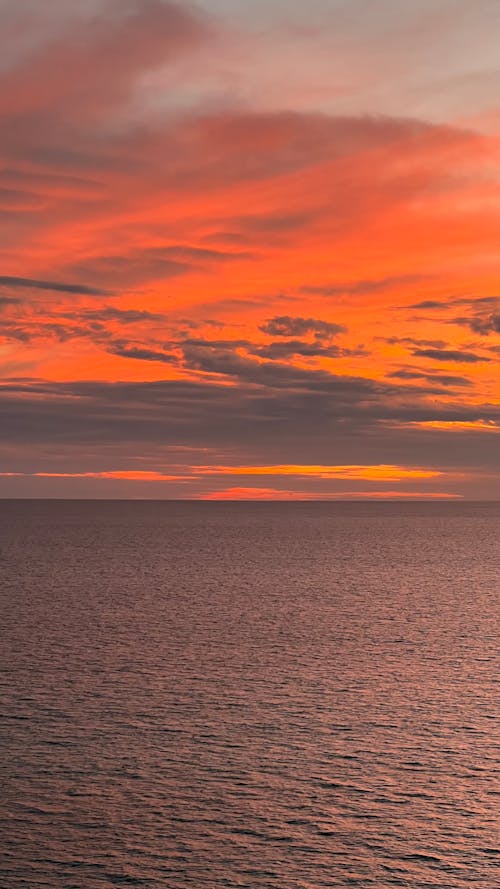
274,696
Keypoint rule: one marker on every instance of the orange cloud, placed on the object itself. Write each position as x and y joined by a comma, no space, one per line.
368,473
275,494
257,494
456,425
119,475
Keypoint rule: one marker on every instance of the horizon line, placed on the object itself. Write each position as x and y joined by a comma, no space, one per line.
251,500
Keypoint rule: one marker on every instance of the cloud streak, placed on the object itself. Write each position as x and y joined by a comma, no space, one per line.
450,355
54,286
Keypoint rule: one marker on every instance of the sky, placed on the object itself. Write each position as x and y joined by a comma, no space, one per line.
249,250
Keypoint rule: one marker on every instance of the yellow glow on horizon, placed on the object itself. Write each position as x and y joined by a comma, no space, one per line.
380,472
452,425
238,493
127,475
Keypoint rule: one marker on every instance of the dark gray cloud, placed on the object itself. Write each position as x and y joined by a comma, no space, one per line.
55,286
126,351
123,316
481,317
281,350
459,301
412,341
450,355
331,419
98,325
8,301
12,331
214,356
443,379
287,326
276,375
27,331
213,344
482,324
275,351
428,304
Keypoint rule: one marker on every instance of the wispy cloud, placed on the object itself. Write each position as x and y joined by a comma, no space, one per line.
55,286
450,355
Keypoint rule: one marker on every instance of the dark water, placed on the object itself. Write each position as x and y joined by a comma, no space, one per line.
269,696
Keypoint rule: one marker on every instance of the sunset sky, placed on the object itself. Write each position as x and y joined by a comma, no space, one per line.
250,249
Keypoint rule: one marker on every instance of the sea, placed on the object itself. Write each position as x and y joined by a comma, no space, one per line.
262,695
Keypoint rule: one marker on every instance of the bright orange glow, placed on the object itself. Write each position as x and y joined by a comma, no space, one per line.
275,494
453,426
368,473
133,476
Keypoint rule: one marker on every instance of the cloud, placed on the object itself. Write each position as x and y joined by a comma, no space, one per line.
233,358
13,331
272,374
104,326
126,351
428,304
329,420
454,355
130,203
443,379
266,224
362,287
123,316
101,57
258,145
97,177
241,493
320,409
139,266
133,174
222,356
482,324
377,473
286,326
118,475
459,301
56,286
279,351
480,320
412,341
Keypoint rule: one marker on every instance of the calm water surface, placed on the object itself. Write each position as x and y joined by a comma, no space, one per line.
275,696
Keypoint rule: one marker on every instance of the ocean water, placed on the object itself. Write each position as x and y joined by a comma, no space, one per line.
274,696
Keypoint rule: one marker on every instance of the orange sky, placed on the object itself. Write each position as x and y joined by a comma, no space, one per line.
250,255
